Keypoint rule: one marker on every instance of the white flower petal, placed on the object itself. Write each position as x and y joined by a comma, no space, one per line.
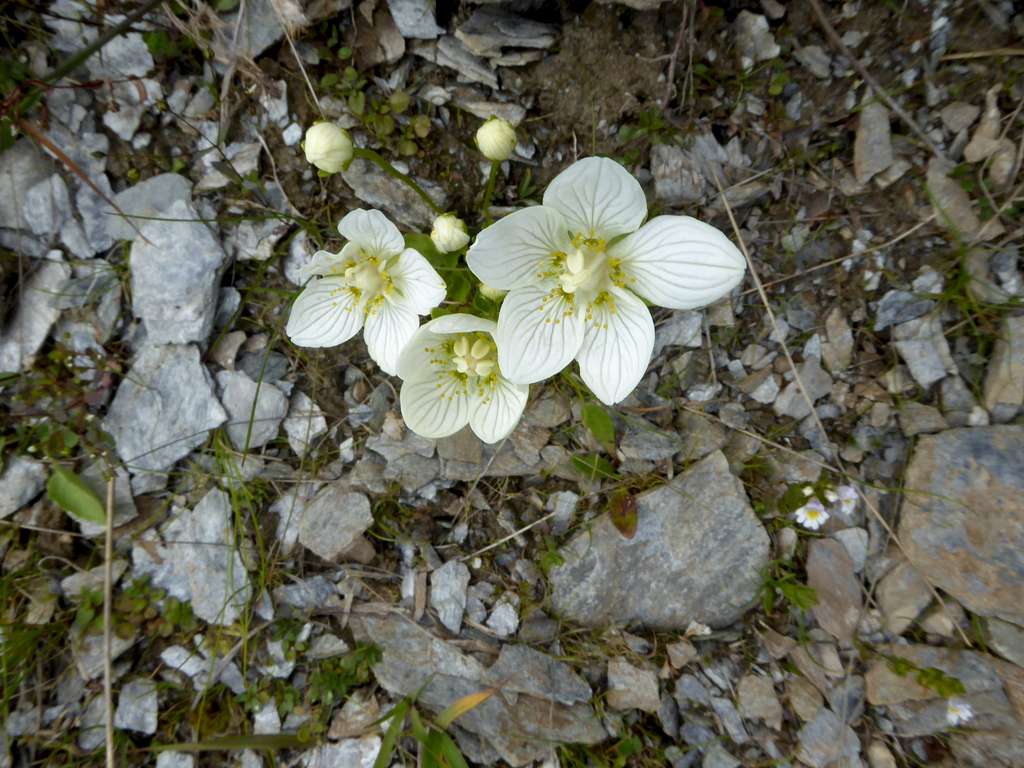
325,314
459,322
598,197
679,262
389,328
511,252
494,414
322,263
418,283
617,347
437,406
539,333
419,357
373,231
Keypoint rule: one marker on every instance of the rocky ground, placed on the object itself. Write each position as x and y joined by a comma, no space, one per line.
294,573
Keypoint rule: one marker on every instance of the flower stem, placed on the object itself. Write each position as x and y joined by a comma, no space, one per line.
489,192
390,170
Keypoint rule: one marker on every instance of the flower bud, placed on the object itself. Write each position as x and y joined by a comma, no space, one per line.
449,233
496,139
328,147
494,294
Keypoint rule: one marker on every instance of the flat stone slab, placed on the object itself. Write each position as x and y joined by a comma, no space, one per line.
698,555
962,519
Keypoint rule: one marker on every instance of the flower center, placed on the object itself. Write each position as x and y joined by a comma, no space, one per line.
474,355
583,271
367,277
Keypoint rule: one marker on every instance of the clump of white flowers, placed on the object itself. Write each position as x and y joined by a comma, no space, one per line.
496,139
570,279
814,514
374,283
328,147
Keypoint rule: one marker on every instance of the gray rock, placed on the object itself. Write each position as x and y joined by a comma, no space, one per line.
632,688
255,239
872,148
175,277
255,409
90,654
682,329
48,206
163,408
855,540
758,701
305,596
676,181
95,212
351,753
520,728
957,116
490,29
415,19
262,25
563,504
21,481
150,198
902,595
305,424
448,586
917,419
504,617
137,707
689,689
452,53
196,560
22,167
717,756
333,522
91,727
923,346
38,309
826,740
830,572
730,719
962,521
649,444
953,206
837,352
522,669
897,307
814,58
817,384
1003,394
175,760
754,41
649,579
378,190
1006,639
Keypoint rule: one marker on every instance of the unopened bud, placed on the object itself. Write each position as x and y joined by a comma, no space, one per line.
328,147
496,139
449,233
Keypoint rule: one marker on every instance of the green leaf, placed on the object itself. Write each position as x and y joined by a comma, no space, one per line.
387,745
459,286
800,595
70,492
622,511
593,466
357,102
462,706
597,420
449,751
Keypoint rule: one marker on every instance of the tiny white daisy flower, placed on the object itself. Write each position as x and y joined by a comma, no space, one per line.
807,490
812,515
831,496
847,497
958,712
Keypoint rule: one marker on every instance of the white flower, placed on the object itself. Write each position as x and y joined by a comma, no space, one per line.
374,281
449,233
812,515
451,378
328,147
576,267
847,497
496,139
696,629
491,293
958,712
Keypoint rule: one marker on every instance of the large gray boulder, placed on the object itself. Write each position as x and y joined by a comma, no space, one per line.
699,554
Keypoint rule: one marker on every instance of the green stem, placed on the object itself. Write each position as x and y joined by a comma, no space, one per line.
489,192
390,170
